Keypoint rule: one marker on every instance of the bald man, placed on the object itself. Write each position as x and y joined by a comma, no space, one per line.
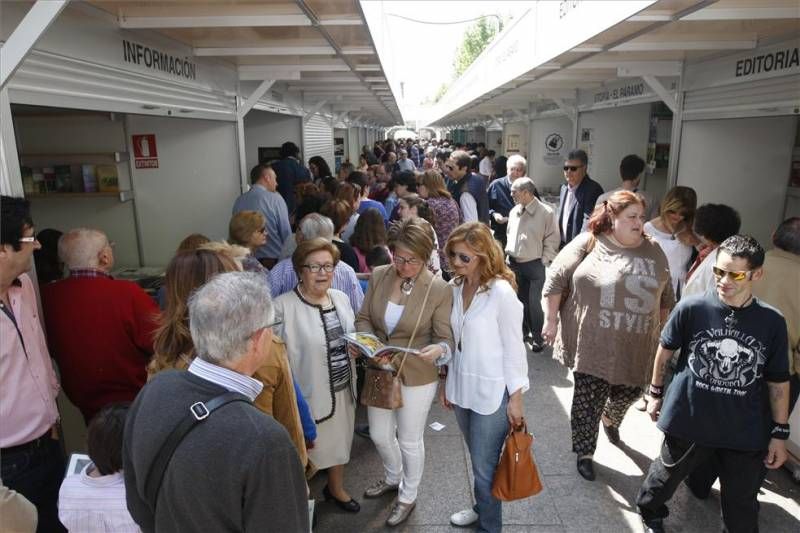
100,330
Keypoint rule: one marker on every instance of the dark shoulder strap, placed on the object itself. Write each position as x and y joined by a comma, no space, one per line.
198,412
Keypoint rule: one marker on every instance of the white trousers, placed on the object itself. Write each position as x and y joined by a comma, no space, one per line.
398,433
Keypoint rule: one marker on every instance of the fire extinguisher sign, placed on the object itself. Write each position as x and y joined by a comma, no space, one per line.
145,154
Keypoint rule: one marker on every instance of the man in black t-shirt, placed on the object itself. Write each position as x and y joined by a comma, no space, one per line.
729,398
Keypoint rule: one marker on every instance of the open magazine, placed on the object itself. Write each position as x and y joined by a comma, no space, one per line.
371,346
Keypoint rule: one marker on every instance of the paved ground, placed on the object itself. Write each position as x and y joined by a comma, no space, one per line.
568,503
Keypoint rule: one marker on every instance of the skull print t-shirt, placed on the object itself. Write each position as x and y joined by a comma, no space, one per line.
719,396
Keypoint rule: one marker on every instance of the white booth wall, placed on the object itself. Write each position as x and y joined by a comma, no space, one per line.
318,139
494,141
194,187
262,128
616,132
752,181
545,165
354,148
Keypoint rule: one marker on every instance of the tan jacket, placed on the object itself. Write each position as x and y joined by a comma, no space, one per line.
277,398
434,324
779,288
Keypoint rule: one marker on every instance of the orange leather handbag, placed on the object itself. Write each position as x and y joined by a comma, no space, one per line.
516,476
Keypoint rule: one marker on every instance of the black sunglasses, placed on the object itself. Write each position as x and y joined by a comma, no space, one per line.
464,258
571,168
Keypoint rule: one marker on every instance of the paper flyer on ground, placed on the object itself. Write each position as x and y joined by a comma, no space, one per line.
371,346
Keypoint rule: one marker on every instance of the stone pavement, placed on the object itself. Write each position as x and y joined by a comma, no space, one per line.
568,503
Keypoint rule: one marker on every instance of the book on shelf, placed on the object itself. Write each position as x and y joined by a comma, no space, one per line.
371,346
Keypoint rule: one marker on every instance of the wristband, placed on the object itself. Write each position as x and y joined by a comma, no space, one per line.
655,392
780,431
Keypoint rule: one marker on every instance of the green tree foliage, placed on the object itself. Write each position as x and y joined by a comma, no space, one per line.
476,38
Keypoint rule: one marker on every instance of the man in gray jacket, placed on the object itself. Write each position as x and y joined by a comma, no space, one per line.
237,469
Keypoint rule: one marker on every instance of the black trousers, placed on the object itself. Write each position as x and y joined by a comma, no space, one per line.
705,474
530,281
36,473
740,474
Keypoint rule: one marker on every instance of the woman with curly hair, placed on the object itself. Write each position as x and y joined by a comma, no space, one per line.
488,372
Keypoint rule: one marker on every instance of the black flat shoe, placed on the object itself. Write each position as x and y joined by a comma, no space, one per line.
655,525
612,433
586,469
351,507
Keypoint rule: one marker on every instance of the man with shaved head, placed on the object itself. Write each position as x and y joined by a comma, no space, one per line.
100,330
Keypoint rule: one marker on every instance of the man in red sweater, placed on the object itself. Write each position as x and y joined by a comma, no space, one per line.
100,330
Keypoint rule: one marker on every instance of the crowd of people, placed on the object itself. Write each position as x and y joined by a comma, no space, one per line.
443,248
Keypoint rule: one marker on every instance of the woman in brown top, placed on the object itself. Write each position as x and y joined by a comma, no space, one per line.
611,288
174,348
394,301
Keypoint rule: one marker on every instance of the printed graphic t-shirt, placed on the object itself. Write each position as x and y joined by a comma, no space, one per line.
719,396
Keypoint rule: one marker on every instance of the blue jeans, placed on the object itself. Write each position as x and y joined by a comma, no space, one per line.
36,474
485,435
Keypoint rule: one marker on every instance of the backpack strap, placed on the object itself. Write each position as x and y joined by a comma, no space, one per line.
198,412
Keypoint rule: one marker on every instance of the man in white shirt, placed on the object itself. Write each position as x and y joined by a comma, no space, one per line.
486,166
404,163
469,190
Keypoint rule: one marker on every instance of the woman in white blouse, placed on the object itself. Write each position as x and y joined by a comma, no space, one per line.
488,372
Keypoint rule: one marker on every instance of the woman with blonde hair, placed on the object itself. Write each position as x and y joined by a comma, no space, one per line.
488,372
672,230
446,215
413,205
249,229
611,289
406,305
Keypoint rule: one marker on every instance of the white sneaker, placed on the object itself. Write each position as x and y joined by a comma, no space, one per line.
464,518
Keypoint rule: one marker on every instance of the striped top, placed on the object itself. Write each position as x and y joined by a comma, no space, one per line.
337,349
95,504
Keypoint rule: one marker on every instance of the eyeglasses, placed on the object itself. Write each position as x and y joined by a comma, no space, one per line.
571,168
464,258
735,276
399,260
32,238
327,267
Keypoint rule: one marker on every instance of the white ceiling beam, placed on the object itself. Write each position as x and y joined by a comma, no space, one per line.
341,20
313,111
662,46
282,15
568,109
255,97
652,15
358,51
655,68
375,79
346,108
341,78
368,67
268,73
666,96
33,25
745,13
271,50
614,65
588,48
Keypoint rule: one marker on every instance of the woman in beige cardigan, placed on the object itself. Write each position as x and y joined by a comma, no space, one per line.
394,301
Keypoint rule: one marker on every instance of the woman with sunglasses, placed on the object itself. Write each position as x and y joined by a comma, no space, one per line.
672,230
249,229
314,319
406,305
611,288
488,373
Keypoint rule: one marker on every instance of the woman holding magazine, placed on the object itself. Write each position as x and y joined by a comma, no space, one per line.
394,305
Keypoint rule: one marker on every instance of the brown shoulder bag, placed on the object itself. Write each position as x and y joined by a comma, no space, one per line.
382,386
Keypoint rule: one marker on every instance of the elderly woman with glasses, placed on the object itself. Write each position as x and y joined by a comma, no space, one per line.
406,305
249,229
314,320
